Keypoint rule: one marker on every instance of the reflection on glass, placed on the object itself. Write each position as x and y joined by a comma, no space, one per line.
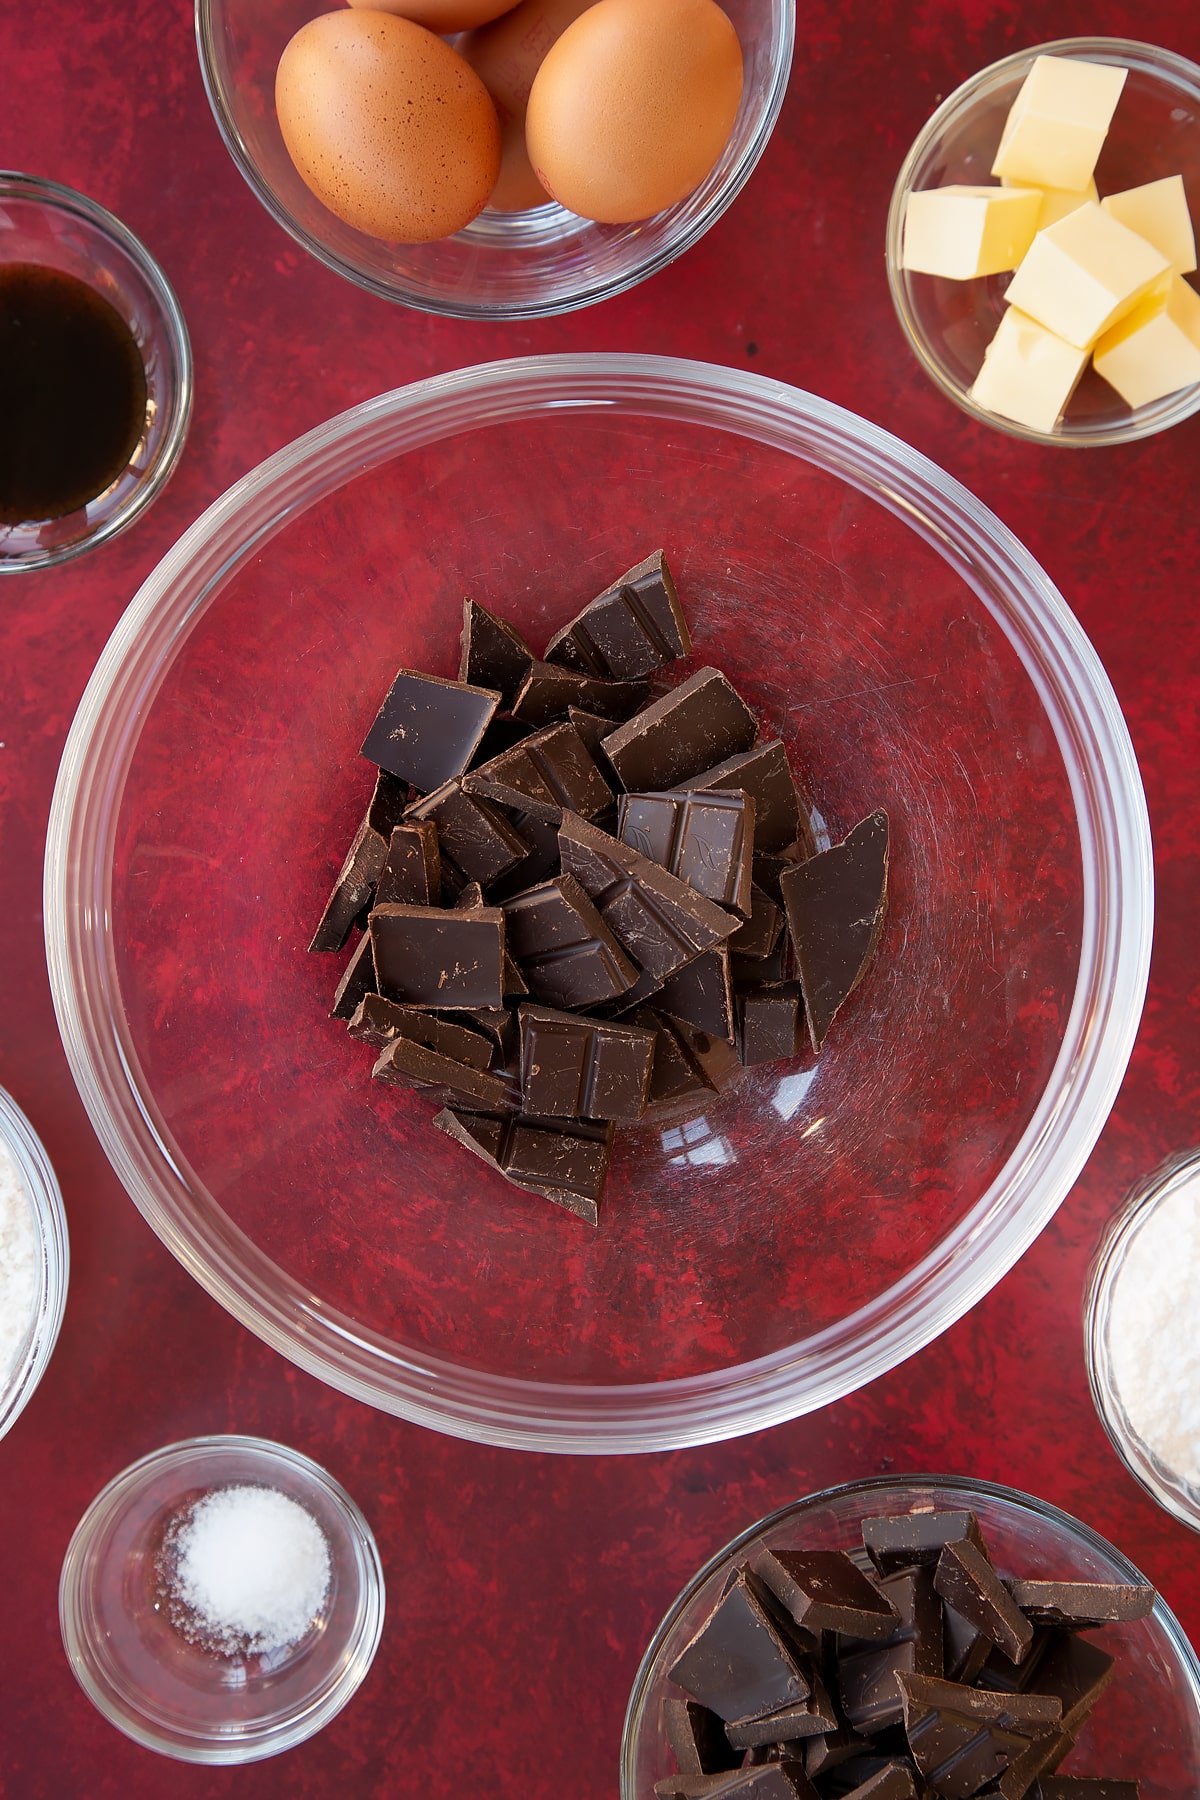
697,1145
789,1095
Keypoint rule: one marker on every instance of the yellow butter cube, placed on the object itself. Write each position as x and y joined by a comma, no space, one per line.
1155,350
1084,274
1028,373
960,232
1159,213
1058,122
1056,202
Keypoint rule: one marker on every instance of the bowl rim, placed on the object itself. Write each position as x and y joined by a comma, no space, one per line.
54,1251
222,1749
1143,422
1117,877
589,291
1164,1484
1045,1510
40,190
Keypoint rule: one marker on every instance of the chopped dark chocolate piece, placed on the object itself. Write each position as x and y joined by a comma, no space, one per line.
1081,1605
700,994
388,801
412,871
566,951
739,1664
547,691
1084,1787
705,839
691,728
471,900
475,838
547,772
406,1063
425,956
493,654
823,1590
768,1781
868,1676
428,730
812,1717
967,1581
697,1737
1042,1755
358,980
962,1738
565,1163
501,735
497,1024
765,774
772,970
835,906
1075,1672
592,727
659,920
760,933
768,1024
631,629
904,1540
574,1068
352,890
769,869
378,1021
541,862
676,1074
967,1650
893,1782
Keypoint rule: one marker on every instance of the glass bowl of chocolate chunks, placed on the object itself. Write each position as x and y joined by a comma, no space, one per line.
923,1636
466,1049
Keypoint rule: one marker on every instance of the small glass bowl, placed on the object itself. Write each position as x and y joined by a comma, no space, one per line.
41,222
170,1695
949,324
50,1231
1165,1484
1149,1725
504,265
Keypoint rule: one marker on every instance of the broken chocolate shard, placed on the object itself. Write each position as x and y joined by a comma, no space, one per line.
547,691
691,728
697,1738
425,956
738,1664
632,628
380,1021
1042,1756
565,949
705,839
567,1164
388,801
967,1650
769,870
428,730
701,994
868,1676
545,773
406,1063
538,865
513,982
966,1580
774,1780
962,1738
765,774
677,1076
358,980
353,889
760,933
502,734
574,1068
811,1717
893,1782
768,1024
592,727
835,907
493,653
823,1590
476,841
412,871
1075,1672
1082,1605
903,1540
659,920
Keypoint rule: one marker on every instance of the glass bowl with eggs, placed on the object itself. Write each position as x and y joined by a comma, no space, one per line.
484,159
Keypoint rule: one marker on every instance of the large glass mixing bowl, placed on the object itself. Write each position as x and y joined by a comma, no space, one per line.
812,1227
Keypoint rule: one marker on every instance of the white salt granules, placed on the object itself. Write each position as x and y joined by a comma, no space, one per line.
18,1263
1154,1331
250,1567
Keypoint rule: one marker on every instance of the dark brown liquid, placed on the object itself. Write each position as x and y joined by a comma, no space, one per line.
72,393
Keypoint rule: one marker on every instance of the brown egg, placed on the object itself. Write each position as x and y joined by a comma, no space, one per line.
506,56
442,16
387,125
633,106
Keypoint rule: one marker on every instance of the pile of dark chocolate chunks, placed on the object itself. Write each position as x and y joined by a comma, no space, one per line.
581,903
904,1669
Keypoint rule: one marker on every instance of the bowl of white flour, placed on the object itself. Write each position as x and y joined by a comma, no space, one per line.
33,1260
1142,1327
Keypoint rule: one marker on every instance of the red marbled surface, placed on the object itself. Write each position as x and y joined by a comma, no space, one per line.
522,1589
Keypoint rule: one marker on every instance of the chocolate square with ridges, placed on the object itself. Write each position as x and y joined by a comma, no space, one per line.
545,773
547,691
632,628
564,1163
692,727
765,774
477,842
705,839
492,653
566,951
576,1068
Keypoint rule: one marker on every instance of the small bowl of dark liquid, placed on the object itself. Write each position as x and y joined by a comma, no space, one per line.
95,375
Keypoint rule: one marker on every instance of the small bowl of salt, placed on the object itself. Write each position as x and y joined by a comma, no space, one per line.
1142,1334
221,1600
34,1260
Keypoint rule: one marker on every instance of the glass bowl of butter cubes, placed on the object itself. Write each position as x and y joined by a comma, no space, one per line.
1041,243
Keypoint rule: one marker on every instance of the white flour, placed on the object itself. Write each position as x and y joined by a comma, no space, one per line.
1154,1334
18,1263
